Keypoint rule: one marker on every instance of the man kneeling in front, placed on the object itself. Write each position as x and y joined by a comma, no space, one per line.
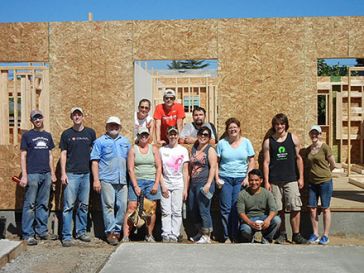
257,210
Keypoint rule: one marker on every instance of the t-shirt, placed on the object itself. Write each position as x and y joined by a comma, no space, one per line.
258,204
318,165
189,130
37,144
200,167
141,123
172,163
234,161
168,118
78,145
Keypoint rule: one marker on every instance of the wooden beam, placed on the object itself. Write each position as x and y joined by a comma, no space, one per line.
15,99
4,107
24,121
44,100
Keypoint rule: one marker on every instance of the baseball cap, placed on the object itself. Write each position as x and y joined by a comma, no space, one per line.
172,129
169,93
113,119
76,109
35,112
317,128
143,130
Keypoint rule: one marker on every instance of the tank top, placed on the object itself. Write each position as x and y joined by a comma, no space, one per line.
200,166
144,164
282,167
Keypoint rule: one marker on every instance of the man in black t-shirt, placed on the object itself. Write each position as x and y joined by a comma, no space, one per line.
37,176
76,143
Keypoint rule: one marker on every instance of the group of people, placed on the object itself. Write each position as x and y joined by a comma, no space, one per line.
250,200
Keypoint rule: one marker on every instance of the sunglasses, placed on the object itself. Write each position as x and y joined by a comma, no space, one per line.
169,98
144,107
38,117
204,134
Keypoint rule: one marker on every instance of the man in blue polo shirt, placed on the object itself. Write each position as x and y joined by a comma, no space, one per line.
109,168
76,143
37,176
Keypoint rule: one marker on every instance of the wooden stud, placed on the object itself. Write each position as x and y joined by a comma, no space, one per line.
4,110
349,124
15,99
44,100
24,121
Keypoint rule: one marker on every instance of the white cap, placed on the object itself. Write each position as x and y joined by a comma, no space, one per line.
143,130
169,93
76,109
317,128
113,119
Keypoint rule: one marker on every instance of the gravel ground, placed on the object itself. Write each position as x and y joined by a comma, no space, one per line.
50,256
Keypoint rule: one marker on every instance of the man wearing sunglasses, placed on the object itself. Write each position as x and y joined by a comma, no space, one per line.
168,114
37,177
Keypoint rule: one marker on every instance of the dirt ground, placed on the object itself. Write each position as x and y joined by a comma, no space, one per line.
50,256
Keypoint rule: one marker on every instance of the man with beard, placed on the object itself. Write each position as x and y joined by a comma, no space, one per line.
189,132
109,156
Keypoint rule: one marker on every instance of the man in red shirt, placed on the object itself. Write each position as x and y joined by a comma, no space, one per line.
168,114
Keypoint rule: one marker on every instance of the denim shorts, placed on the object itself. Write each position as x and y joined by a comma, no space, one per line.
146,186
322,190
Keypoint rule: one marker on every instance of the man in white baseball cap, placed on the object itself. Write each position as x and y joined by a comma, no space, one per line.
168,114
109,168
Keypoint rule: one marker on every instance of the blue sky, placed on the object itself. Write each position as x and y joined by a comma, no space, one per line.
107,10
76,10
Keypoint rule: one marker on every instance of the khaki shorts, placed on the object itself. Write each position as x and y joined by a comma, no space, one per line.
287,195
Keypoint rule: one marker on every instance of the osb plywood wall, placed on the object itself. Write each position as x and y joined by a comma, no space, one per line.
265,66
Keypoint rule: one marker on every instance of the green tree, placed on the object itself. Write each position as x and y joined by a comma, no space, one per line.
188,64
323,69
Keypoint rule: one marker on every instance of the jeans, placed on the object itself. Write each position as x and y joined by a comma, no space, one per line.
35,208
322,190
247,232
229,214
77,189
172,213
114,201
199,207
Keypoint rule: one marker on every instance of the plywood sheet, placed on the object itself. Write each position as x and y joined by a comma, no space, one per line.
24,42
175,40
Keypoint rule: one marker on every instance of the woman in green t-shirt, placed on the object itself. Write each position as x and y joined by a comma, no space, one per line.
320,163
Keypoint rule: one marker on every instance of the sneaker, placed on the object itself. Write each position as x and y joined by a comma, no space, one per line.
173,239
67,243
112,239
314,239
298,239
264,241
84,238
149,239
125,239
31,241
47,236
180,238
324,240
282,239
165,239
204,240
196,237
